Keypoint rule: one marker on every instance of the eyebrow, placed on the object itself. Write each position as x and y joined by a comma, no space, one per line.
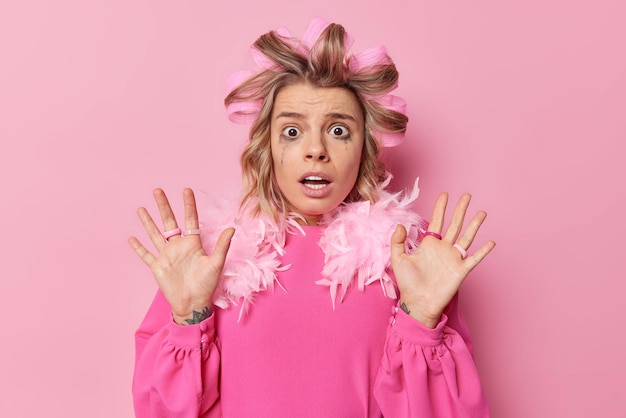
290,115
341,116
296,115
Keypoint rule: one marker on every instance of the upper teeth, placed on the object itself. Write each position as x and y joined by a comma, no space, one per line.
313,178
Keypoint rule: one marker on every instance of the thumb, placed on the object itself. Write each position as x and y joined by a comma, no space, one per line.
222,245
397,241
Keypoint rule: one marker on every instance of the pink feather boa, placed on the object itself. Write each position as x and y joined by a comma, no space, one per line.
356,244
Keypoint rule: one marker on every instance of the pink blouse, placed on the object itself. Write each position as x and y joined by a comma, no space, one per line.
292,355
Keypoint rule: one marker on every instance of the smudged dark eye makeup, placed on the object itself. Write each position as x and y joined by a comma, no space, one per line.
340,132
289,133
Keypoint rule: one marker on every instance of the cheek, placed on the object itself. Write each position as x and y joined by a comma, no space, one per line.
283,149
353,158
278,153
283,166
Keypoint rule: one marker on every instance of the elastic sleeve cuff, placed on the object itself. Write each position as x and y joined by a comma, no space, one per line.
409,329
192,336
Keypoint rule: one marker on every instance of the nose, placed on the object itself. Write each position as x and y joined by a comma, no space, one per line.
316,149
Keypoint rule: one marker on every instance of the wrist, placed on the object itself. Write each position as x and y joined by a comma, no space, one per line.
196,316
415,311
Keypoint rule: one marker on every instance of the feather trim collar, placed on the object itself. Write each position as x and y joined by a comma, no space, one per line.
355,242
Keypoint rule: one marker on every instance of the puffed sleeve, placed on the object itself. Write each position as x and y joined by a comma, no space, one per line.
429,372
176,367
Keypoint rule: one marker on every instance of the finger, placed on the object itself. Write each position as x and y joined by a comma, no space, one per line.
165,209
456,223
439,211
222,246
191,211
472,229
397,242
151,229
478,256
141,251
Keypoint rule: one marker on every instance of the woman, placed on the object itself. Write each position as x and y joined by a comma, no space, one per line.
314,220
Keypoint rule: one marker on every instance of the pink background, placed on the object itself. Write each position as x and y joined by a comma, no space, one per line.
521,103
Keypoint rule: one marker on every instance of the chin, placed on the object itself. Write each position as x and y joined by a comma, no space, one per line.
315,211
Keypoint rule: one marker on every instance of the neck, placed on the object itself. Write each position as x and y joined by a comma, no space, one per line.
309,220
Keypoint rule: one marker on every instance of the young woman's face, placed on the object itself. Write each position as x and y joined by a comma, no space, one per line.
317,137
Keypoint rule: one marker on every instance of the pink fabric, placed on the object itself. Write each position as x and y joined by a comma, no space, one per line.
293,355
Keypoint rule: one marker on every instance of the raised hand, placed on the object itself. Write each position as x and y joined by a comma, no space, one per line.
430,277
185,273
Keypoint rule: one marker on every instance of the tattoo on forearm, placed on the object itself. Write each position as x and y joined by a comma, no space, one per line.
200,316
405,308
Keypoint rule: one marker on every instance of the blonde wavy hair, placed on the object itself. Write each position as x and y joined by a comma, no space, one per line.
322,65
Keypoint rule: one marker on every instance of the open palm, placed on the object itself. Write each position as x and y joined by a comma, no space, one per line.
429,277
185,273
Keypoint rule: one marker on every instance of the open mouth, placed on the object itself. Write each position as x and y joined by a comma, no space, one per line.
314,182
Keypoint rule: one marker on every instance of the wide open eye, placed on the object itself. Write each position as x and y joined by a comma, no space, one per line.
340,131
290,132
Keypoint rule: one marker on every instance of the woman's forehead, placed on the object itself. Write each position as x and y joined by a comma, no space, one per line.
304,99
